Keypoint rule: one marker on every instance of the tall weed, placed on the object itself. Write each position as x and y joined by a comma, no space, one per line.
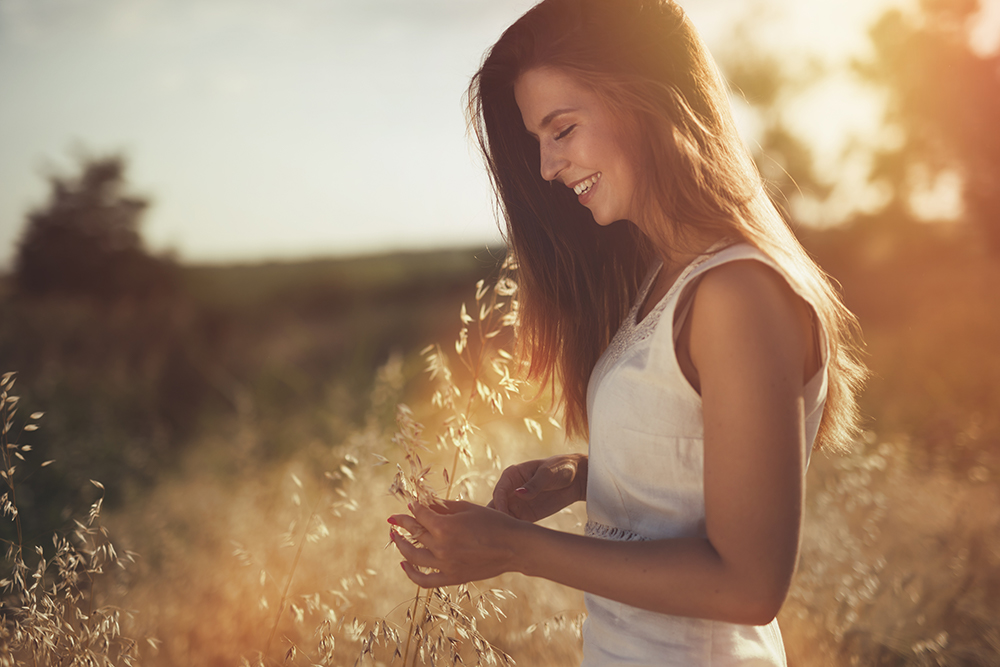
282,559
54,612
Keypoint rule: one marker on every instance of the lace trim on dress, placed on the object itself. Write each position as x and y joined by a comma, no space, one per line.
594,529
631,333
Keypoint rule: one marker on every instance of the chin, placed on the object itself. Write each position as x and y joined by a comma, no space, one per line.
602,220
605,220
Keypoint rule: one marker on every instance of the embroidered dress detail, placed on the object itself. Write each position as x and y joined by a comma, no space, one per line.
594,529
630,332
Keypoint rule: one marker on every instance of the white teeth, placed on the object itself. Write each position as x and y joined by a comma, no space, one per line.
584,186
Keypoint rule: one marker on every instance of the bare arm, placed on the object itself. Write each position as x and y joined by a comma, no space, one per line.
750,337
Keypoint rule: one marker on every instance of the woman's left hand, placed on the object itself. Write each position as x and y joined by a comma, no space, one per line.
462,541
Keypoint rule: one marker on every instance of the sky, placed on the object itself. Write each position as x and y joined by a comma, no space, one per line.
305,128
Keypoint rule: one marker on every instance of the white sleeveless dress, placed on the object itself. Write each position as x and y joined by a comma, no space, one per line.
645,481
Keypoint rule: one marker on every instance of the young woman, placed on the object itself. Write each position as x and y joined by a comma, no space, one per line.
692,338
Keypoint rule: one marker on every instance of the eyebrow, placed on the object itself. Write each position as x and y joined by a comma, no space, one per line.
552,115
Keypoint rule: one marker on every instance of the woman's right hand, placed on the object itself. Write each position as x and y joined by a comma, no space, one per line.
536,489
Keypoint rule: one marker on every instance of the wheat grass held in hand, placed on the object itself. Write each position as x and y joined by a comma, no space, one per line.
691,338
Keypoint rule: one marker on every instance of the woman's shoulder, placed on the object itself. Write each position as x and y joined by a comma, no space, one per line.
745,285
748,298
740,271
720,255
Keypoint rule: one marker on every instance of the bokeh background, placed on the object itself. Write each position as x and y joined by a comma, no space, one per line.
227,228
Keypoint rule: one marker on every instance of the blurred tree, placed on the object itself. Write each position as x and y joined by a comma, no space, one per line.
946,100
764,83
942,100
85,240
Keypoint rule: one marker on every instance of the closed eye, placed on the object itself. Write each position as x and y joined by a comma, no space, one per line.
565,132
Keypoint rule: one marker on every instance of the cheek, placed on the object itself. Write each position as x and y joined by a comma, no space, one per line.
615,158
625,178
624,152
630,178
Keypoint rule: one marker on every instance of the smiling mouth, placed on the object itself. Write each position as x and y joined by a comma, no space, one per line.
585,185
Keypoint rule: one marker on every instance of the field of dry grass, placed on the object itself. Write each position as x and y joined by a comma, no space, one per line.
260,529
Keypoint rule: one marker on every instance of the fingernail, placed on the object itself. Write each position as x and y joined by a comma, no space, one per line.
402,564
409,506
392,535
520,490
392,521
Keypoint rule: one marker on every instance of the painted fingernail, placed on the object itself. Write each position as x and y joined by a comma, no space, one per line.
520,491
409,506
402,564
392,521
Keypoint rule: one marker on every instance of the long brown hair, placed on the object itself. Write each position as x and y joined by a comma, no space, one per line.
695,179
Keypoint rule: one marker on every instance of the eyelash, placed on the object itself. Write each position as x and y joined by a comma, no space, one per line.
565,132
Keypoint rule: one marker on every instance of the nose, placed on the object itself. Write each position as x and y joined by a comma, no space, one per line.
552,161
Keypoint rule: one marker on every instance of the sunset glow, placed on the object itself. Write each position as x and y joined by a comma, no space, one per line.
305,129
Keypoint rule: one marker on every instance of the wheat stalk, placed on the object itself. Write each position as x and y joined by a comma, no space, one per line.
478,351
53,618
291,572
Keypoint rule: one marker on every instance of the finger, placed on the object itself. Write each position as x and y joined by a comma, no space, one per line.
431,515
553,477
500,492
407,523
426,516
499,502
453,506
540,481
427,579
413,553
512,478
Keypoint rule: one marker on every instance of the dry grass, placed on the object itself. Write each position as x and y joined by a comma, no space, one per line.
284,562
899,566
236,549
54,608
290,564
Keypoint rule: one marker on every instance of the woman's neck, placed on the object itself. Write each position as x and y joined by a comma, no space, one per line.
675,247
674,264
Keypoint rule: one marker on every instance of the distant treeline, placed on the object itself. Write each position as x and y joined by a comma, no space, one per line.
132,355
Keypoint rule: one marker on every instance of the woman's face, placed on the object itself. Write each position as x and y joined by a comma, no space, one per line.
578,142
